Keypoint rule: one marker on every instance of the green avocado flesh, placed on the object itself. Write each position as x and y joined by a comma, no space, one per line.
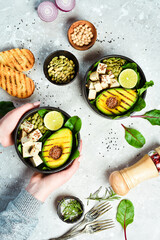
116,101
62,142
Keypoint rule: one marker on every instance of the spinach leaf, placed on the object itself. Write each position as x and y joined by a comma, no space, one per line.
144,88
152,116
96,64
42,112
134,137
74,124
75,155
125,214
5,107
20,148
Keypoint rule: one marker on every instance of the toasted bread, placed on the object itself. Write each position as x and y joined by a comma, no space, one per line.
18,59
17,84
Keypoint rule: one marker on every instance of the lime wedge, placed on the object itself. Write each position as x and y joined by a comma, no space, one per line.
53,120
128,78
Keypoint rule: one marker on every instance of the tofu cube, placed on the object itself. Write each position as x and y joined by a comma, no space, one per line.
92,94
101,69
36,160
27,126
26,149
94,76
106,79
25,140
114,83
91,85
98,86
104,85
33,151
111,75
35,135
38,145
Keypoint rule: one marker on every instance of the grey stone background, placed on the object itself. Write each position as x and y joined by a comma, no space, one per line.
130,28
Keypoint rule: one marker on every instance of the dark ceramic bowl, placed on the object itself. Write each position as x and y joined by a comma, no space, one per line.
85,90
58,53
60,213
28,163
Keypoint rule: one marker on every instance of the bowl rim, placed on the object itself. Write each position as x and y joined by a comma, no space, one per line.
87,46
34,110
84,89
59,208
53,54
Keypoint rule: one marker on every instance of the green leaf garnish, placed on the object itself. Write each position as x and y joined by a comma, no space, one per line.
74,124
134,137
125,214
152,116
42,112
144,88
5,107
109,195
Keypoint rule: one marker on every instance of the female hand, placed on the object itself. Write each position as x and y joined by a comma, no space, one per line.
9,122
41,186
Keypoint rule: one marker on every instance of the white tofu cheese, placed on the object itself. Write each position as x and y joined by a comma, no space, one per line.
34,151
24,134
26,149
98,87
106,79
27,126
25,140
94,76
92,94
104,85
101,69
35,135
114,83
36,160
91,85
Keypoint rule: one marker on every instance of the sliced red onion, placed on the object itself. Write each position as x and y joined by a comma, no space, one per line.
47,11
65,5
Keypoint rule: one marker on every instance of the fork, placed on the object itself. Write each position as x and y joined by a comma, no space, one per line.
90,216
90,228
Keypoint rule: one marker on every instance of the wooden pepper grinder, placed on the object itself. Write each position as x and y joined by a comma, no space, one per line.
147,167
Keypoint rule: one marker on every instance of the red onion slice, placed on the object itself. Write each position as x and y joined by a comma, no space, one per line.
65,5
47,11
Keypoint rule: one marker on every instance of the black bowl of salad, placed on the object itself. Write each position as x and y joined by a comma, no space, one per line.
115,87
47,139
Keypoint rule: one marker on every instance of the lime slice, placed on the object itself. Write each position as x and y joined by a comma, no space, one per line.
53,120
128,78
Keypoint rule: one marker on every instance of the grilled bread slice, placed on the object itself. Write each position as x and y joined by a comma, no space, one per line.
17,84
18,59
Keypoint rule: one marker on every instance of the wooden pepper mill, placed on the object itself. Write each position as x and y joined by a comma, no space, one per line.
147,167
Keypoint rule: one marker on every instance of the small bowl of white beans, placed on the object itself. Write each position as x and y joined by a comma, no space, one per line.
82,35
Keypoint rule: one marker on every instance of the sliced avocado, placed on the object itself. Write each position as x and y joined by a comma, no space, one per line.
116,101
57,148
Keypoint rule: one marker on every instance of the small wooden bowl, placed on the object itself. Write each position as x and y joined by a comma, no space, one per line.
71,30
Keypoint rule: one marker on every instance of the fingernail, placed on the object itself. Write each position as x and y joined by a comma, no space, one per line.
36,104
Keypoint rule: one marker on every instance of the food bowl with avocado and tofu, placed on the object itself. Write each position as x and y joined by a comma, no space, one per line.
47,139
61,67
115,86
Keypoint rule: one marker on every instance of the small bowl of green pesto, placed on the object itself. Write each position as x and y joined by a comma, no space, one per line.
70,209
61,67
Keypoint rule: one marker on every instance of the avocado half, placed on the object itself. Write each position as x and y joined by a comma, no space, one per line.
61,139
116,101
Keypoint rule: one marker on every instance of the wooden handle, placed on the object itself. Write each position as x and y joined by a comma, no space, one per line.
124,180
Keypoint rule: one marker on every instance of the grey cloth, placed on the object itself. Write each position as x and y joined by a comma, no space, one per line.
19,219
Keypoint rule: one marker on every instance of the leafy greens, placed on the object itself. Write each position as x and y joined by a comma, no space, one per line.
152,116
134,137
125,214
5,107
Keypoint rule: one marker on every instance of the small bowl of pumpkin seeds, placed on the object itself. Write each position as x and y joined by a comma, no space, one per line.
61,67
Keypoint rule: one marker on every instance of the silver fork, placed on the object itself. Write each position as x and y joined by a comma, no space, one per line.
90,216
90,228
